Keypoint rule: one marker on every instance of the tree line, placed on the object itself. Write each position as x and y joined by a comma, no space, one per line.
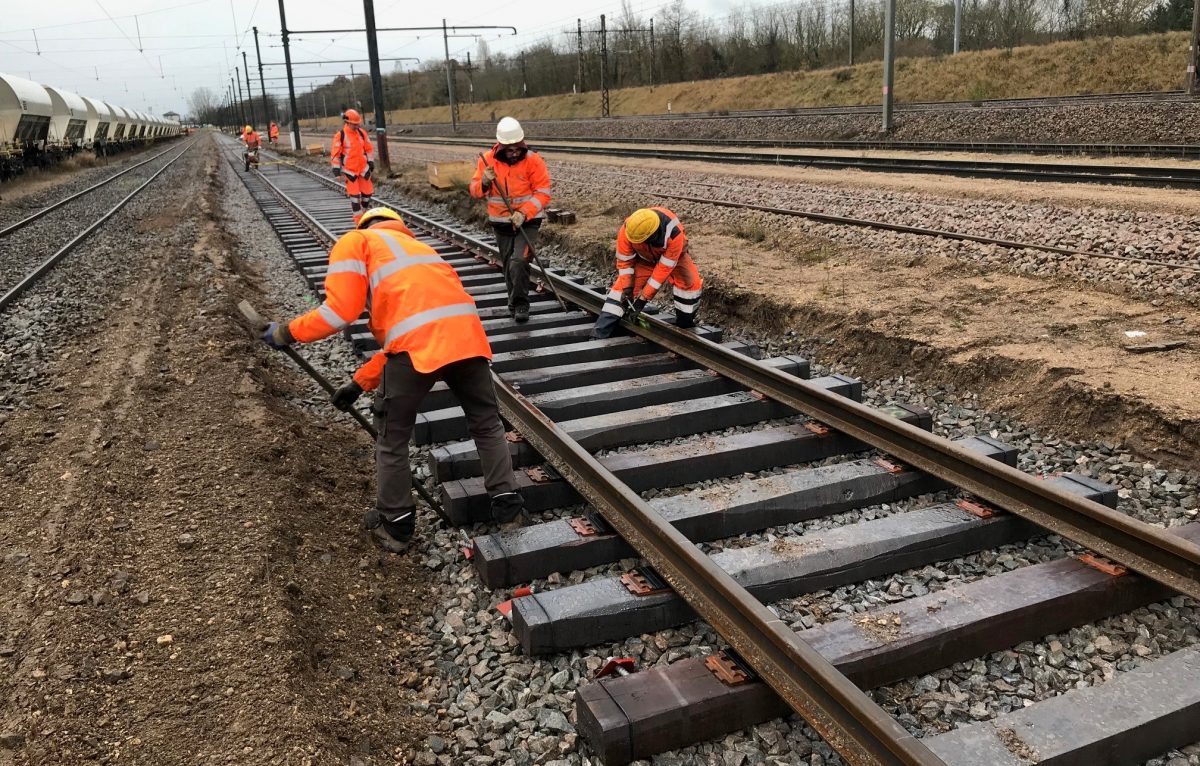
685,46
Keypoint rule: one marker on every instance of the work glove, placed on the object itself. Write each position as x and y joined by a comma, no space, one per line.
635,309
336,171
489,174
277,336
346,395
370,169
517,218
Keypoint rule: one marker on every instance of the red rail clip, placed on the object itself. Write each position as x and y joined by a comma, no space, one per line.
583,526
817,427
468,547
888,465
513,436
726,670
618,666
539,474
1096,561
976,509
505,607
641,583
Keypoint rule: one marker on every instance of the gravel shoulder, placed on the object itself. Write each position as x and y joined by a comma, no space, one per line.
181,575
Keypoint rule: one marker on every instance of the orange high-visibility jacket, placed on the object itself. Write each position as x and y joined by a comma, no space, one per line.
417,304
527,184
351,150
274,133
251,140
663,249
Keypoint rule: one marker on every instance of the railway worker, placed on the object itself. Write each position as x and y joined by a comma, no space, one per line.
652,250
273,132
351,157
250,137
515,182
429,330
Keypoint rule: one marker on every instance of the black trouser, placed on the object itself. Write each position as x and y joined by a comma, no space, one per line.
516,269
402,390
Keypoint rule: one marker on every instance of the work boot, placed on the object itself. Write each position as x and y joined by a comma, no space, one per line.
651,309
508,507
521,314
393,536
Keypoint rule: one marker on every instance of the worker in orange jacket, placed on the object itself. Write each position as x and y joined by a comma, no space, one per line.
652,250
428,330
250,137
351,157
273,133
511,169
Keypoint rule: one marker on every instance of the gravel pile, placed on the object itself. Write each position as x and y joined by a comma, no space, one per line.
25,248
86,286
489,704
1166,122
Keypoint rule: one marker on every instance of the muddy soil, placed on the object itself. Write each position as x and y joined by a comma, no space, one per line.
182,579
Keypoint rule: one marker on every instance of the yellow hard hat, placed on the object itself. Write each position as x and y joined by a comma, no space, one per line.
376,213
640,225
248,129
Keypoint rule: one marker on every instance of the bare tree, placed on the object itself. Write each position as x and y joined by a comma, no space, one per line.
204,105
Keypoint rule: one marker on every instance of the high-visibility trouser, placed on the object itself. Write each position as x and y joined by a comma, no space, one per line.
357,186
632,277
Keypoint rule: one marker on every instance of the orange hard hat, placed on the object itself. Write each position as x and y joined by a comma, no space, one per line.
352,116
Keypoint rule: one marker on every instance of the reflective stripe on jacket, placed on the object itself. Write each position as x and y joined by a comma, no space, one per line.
527,184
251,140
417,304
351,150
663,249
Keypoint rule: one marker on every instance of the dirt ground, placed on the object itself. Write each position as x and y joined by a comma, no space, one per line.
181,576
1048,350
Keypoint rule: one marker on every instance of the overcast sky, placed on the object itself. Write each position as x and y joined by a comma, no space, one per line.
92,47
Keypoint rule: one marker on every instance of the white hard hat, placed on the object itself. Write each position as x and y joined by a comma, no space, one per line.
508,131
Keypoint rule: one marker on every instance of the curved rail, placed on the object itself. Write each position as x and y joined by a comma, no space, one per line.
26,221
32,277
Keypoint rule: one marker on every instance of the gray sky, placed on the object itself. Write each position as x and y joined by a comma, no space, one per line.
92,47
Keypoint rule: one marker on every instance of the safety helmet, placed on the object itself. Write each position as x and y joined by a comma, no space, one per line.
248,129
508,131
378,213
352,116
640,225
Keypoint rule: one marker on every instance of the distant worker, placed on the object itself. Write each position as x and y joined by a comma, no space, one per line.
351,157
429,330
512,171
273,132
652,250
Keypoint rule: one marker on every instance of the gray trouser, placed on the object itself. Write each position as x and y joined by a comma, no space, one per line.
402,390
516,269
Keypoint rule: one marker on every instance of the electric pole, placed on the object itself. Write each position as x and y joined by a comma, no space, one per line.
524,78
376,84
1194,49
652,53
604,68
851,32
579,55
261,87
449,79
889,62
249,93
237,78
287,63
957,23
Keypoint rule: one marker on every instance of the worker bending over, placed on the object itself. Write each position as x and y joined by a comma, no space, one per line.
428,330
250,137
515,182
350,156
652,250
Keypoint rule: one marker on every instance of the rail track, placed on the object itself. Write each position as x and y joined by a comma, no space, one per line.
41,256
1125,175
903,106
575,404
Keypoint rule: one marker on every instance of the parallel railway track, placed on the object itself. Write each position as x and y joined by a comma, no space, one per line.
1061,172
575,402
45,259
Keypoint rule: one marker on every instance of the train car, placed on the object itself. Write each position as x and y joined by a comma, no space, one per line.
105,121
68,126
123,126
25,115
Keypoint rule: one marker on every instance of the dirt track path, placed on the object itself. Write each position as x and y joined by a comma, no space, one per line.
181,579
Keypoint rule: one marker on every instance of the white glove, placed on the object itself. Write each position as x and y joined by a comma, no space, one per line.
489,174
517,219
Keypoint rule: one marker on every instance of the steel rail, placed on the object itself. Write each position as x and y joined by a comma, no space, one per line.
837,709
942,233
1138,546
1182,151
1182,178
26,221
33,276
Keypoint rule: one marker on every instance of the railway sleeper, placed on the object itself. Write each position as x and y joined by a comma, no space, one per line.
666,708
605,610
604,398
